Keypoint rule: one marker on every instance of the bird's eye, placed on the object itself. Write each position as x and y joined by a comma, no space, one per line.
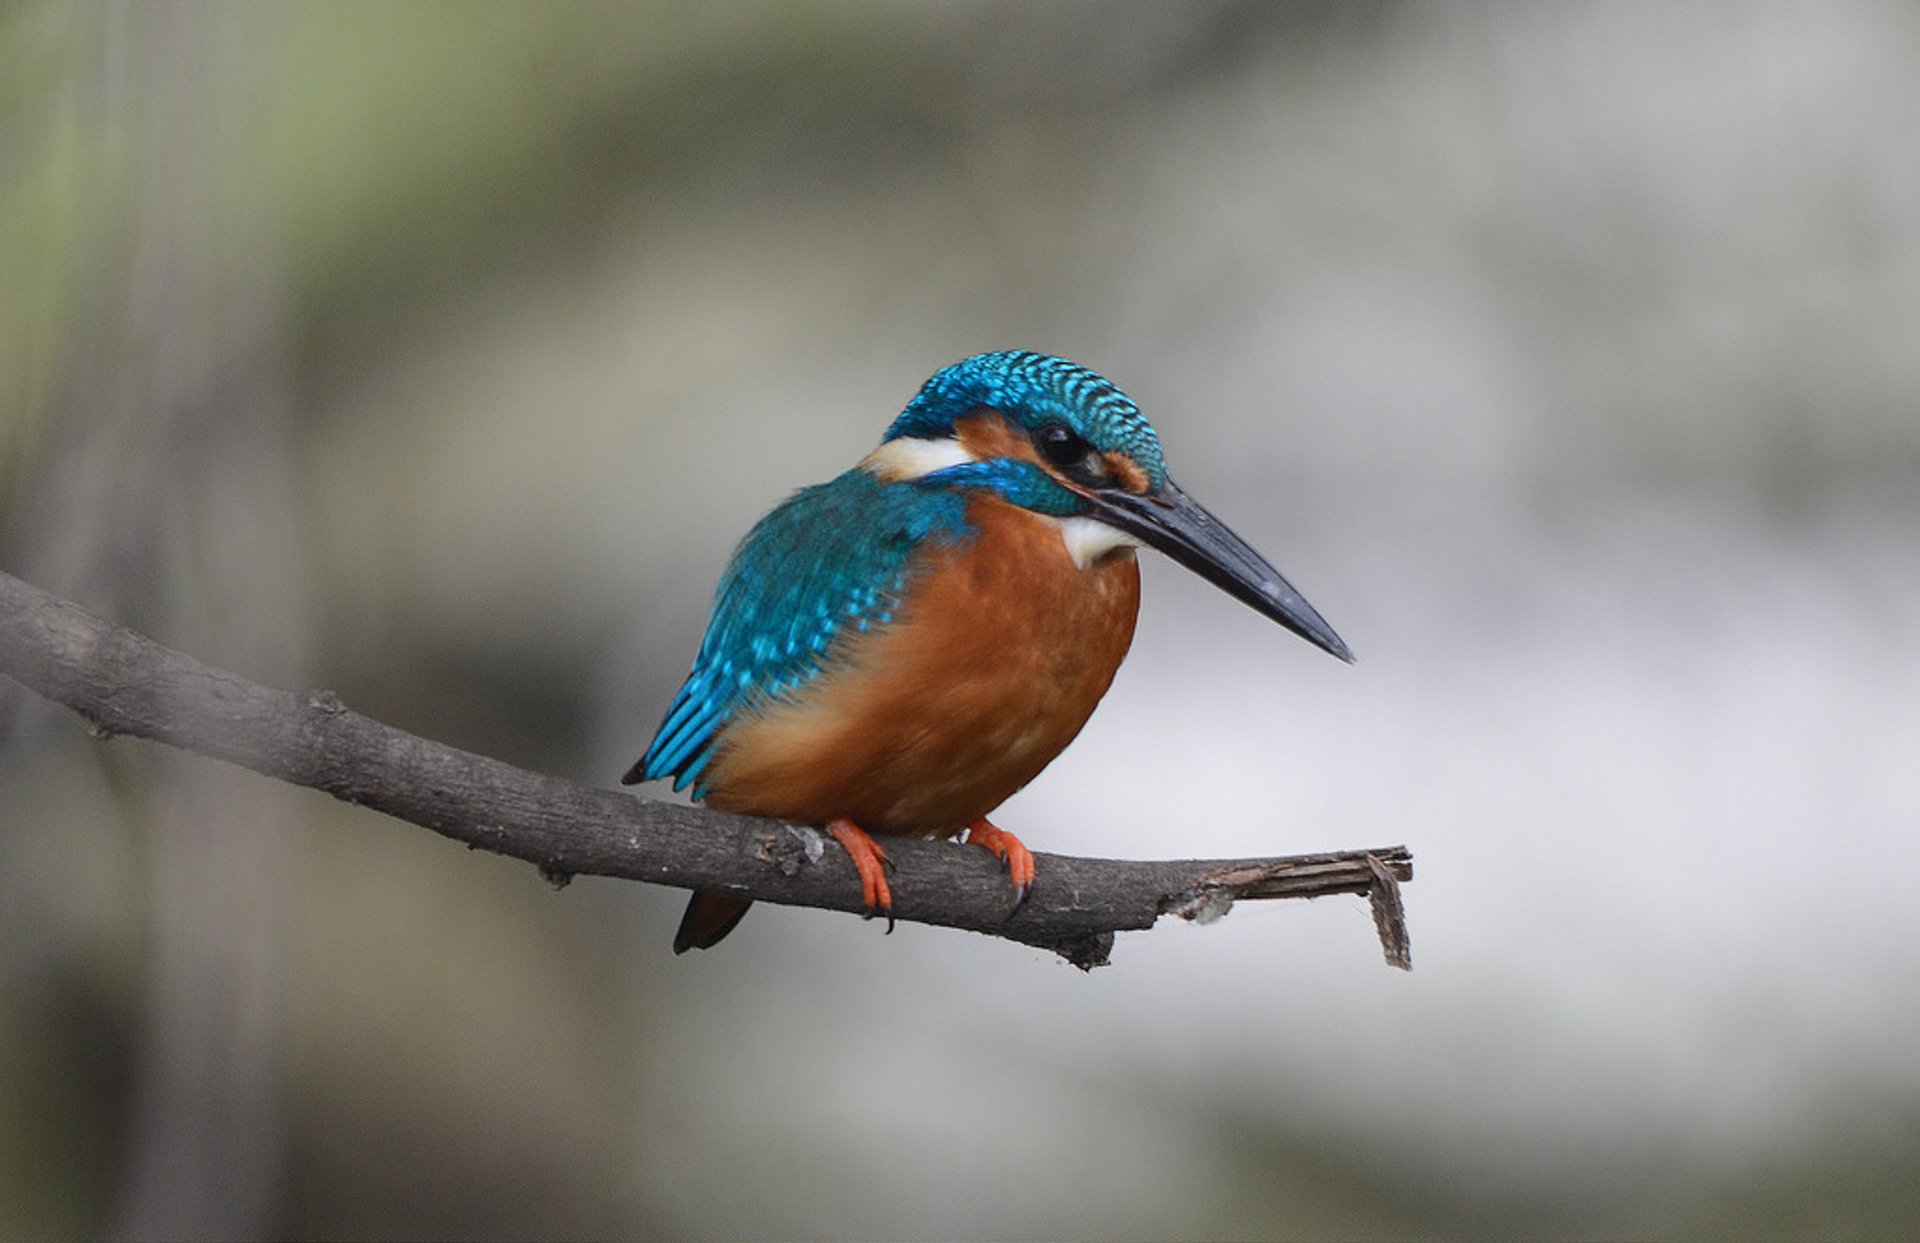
1061,445
1075,458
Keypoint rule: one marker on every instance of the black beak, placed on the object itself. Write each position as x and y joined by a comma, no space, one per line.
1176,524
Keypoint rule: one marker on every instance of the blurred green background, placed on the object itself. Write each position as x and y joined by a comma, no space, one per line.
1567,357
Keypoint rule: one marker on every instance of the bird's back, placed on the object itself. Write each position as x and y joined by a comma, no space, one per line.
828,563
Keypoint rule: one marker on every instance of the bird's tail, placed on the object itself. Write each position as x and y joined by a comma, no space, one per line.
709,918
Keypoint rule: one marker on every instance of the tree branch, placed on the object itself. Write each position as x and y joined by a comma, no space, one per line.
122,682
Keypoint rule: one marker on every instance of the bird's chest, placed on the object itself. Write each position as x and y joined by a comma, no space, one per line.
1010,628
996,656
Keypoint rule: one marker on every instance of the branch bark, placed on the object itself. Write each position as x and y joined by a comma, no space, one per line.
122,682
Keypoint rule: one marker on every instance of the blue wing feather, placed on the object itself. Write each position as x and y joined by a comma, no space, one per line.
834,557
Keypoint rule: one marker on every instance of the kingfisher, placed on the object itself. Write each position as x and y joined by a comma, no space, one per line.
898,650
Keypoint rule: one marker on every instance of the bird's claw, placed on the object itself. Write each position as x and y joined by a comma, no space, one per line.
872,864
1004,846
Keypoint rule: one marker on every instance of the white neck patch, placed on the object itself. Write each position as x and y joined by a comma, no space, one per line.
911,457
1089,539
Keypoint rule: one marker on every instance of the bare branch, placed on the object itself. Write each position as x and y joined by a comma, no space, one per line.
122,682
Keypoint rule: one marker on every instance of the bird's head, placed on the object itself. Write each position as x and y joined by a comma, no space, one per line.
1060,440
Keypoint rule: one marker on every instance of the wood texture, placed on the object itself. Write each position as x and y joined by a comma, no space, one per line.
123,683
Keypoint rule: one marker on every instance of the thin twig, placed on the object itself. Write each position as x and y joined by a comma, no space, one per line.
121,682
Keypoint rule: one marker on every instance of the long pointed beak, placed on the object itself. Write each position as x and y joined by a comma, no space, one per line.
1178,525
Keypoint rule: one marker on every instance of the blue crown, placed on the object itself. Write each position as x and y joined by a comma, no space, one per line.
1033,390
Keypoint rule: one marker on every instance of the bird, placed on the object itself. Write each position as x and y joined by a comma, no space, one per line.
898,650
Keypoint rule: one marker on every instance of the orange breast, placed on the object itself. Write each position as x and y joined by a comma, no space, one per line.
987,672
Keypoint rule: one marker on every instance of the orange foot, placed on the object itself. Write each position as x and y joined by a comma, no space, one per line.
872,864
1005,846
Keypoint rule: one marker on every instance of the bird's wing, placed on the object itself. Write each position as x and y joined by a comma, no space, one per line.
834,559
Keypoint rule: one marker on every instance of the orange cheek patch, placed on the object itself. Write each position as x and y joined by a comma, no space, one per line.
1126,472
988,435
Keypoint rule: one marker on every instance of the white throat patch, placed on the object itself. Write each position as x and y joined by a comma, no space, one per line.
1089,539
911,457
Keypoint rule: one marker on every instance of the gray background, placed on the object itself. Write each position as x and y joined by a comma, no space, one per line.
1565,356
